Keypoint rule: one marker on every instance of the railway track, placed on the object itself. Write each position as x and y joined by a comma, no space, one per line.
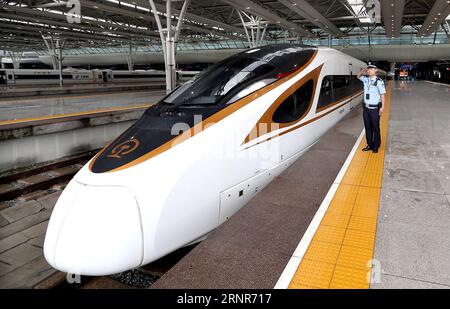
140,278
21,238
18,183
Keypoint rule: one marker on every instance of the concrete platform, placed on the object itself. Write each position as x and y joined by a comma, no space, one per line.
413,231
14,91
47,128
16,108
29,141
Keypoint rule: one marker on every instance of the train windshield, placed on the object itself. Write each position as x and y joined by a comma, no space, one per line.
219,81
230,76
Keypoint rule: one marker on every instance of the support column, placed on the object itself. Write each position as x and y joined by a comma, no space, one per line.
59,48
393,64
51,50
55,47
392,68
256,26
170,49
446,27
15,58
169,39
130,57
370,42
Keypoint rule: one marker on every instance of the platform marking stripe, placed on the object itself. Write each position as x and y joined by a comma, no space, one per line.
85,113
339,241
294,262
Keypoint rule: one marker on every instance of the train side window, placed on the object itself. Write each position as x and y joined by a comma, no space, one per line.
355,85
326,92
326,83
342,87
336,88
10,76
341,81
296,105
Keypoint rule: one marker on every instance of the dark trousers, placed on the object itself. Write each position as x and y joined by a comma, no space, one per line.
372,126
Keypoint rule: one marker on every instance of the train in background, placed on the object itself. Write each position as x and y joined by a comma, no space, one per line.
25,77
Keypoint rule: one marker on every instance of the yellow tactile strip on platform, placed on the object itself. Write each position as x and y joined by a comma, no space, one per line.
340,252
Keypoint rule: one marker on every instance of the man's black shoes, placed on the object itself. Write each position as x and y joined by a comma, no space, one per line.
368,148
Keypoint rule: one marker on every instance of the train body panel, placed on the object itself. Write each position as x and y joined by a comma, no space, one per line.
138,76
46,77
186,187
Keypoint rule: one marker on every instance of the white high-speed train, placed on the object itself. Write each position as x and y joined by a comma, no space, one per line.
195,158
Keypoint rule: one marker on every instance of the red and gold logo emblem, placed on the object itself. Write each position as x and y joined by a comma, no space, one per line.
124,148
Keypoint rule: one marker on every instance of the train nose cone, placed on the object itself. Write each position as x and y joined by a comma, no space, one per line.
94,230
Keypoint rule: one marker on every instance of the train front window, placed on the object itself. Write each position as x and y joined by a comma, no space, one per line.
251,88
224,78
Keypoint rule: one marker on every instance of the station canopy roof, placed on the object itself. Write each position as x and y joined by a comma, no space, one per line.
110,25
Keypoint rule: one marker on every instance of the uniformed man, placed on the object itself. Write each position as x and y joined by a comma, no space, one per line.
374,99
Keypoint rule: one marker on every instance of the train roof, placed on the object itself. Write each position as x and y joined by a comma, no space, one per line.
276,54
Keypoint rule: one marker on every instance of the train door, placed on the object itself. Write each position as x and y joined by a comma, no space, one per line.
10,80
2,77
97,76
107,76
